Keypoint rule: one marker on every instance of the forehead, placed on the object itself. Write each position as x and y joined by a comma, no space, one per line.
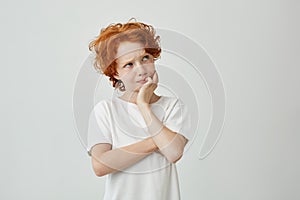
129,50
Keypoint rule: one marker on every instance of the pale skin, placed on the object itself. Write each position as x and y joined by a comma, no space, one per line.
137,71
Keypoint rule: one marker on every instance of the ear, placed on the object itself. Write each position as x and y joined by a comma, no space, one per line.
117,76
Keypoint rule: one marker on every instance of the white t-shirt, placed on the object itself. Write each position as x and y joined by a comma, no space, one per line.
120,123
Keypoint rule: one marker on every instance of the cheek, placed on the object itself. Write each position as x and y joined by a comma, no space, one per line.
128,79
127,76
151,68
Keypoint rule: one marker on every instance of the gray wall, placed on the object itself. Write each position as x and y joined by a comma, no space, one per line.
254,44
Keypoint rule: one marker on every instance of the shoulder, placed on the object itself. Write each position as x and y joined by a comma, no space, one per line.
103,102
170,101
103,105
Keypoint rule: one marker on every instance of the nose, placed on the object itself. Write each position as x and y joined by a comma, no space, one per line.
141,71
143,74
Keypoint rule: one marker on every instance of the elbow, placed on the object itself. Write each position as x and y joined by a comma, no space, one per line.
176,159
99,172
175,151
175,156
99,168
173,160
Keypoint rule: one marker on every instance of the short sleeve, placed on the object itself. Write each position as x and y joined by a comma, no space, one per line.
178,119
99,126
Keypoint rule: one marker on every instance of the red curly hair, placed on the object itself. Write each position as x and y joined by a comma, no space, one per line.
107,42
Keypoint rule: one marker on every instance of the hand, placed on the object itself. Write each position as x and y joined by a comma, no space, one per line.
146,91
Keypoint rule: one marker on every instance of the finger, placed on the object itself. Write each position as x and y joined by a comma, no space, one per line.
155,77
149,80
153,87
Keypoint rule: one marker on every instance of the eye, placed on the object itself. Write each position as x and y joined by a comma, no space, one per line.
128,65
145,58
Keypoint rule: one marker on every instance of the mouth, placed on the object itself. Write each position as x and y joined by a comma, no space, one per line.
145,79
142,81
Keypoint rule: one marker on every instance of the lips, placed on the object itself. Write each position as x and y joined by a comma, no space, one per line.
142,80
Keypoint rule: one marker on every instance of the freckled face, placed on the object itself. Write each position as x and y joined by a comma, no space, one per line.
134,65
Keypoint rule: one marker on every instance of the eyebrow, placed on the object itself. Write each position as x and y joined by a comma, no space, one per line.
130,60
125,62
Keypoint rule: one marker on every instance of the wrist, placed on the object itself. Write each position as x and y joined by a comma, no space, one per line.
143,106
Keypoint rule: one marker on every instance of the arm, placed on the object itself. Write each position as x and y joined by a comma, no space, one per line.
106,161
170,144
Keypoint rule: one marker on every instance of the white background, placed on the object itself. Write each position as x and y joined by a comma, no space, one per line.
255,45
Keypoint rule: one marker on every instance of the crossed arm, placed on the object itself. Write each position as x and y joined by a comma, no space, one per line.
106,160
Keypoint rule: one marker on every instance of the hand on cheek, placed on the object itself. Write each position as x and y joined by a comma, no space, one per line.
155,77
147,90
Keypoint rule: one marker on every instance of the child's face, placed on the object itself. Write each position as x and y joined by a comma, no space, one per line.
133,65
